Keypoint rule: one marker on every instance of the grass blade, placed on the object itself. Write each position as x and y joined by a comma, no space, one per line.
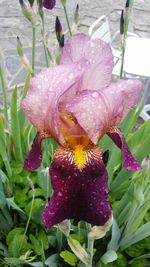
15,127
4,95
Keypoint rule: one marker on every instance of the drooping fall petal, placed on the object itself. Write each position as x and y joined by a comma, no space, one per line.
129,162
49,4
99,55
78,194
34,158
98,111
46,89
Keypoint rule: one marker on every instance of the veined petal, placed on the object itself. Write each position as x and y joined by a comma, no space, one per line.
99,55
78,194
34,158
130,163
45,92
97,112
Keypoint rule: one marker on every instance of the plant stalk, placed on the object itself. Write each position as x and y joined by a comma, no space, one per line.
90,249
67,19
33,48
4,95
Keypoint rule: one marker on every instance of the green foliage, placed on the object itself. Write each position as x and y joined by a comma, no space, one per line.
69,257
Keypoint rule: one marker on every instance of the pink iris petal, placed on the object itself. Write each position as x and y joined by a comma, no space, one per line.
130,163
33,161
99,55
96,112
81,195
49,4
46,89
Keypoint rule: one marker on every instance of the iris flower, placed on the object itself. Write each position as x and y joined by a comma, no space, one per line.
49,4
76,103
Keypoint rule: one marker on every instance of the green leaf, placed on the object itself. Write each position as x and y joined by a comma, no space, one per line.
44,183
116,233
2,200
13,261
15,128
141,233
12,204
53,259
109,256
3,176
3,149
4,92
36,264
3,249
36,245
144,256
130,121
78,250
43,238
26,86
69,257
38,202
12,234
18,246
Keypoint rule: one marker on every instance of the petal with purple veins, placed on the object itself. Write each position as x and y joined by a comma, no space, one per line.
81,195
99,55
46,90
34,158
98,111
129,162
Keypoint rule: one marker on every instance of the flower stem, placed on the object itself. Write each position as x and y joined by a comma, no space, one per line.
122,60
43,41
33,48
124,37
4,95
67,19
30,212
90,249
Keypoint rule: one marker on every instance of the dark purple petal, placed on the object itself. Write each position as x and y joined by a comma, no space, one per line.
49,4
33,161
78,194
130,163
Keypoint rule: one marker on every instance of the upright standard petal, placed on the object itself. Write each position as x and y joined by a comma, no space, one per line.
34,158
130,163
46,89
78,194
49,4
99,55
97,112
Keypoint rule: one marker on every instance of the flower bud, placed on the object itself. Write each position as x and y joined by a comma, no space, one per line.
63,2
122,23
24,59
31,2
27,11
78,250
98,232
59,33
65,227
49,4
40,7
127,3
76,19
105,157
76,15
146,162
